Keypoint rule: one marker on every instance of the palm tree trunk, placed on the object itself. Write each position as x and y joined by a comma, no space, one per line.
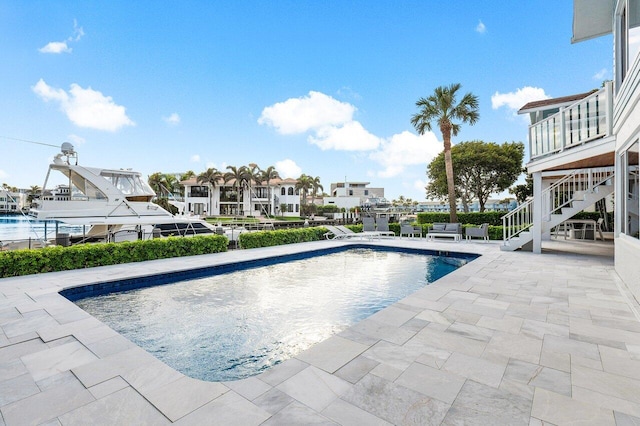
448,165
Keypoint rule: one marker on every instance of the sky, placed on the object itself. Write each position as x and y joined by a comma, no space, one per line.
324,88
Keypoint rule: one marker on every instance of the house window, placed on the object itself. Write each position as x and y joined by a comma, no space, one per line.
297,208
289,207
628,42
632,198
366,192
283,191
350,192
290,191
198,191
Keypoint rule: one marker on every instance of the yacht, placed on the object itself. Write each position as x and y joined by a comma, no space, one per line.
111,204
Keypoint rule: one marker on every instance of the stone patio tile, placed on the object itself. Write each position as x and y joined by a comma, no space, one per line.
482,371
227,409
115,365
564,345
533,312
179,398
606,383
586,328
620,362
513,346
449,341
355,336
56,380
470,331
298,414
46,405
18,350
538,376
347,414
56,360
29,322
110,346
108,387
393,315
249,388
559,409
356,369
62,330
625,419
556,361
94,334
382,331
150,376
478,309
605,401
478,404
425,304
538,329
282,372
433,316
394,403
273,401
314,388
431,357
331,354
433,383
387,372
124,407
12,368
16,388
506,324
396,356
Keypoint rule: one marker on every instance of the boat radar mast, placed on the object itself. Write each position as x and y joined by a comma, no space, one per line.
68,152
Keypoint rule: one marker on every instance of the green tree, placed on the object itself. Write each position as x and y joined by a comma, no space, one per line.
33,190
523,191
252,174
239,177
304,185
315,188
210,177
269,174
442,108
481,168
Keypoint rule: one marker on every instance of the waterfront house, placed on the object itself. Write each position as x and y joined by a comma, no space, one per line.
584,148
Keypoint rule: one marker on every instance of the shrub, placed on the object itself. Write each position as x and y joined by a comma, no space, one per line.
51,259
281,236
492,218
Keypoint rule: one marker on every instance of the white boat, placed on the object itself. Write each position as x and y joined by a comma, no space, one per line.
114,204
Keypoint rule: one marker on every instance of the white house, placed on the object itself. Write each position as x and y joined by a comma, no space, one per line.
12,202
258,200
585,147
347,195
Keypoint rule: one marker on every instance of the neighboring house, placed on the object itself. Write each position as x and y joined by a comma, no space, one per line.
348,195
12,202
584,148
224,200
443,207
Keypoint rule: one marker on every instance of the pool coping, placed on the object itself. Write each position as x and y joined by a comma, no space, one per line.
67,366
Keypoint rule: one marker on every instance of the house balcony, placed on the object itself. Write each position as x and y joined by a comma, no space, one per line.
581,123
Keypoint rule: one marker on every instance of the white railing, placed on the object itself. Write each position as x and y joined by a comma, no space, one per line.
560,194
585,120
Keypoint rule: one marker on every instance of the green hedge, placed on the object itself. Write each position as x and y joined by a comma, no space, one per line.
50,259
281,236
492,218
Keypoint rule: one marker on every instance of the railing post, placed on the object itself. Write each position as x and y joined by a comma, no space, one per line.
608,90
563,129
537,212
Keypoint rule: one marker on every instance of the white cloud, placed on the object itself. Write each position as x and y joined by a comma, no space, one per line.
350,137
195,158
601,75
311,112
516,100
173,119
56,47
288,169
75,139
481,28
419,184
406,149
62,46
86,107
3,174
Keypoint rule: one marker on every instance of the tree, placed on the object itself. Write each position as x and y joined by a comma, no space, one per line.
238,176
315,187
442,108
211,177
252,174
33,190
523,191
267,176
481,168
304,185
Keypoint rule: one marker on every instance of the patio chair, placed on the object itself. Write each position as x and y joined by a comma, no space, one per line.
335,233
382,227
599,223
368,224
348,233
410,230
481,231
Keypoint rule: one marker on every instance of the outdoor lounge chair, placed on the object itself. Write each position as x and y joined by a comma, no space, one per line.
481,231
334,233
382,227
368,224
410,230
350,234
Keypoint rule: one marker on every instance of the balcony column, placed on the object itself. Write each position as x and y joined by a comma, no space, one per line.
563,130
536,229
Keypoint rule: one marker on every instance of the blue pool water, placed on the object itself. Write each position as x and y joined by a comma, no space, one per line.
237,324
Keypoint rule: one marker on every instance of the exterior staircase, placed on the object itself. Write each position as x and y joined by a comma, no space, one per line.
561,201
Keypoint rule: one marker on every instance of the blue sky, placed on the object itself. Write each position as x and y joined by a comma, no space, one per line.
325,88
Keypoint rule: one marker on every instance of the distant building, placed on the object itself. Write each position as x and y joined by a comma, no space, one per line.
348,195
443,207
12,202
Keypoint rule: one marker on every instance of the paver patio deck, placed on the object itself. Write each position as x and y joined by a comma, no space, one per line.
510,338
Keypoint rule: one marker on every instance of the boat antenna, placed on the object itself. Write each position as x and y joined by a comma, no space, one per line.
69,152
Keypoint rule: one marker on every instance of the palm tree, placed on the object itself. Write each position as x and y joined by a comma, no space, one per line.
267,175
315,187
304,184
238,176
33,190
253,174
442,107
211,177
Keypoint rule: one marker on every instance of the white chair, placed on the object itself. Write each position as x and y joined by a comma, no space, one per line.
599,228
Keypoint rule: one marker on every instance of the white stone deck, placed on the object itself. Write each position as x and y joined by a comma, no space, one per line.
510,338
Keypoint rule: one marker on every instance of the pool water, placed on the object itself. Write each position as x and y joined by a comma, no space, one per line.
235,325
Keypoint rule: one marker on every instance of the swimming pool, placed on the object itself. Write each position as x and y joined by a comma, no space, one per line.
241,321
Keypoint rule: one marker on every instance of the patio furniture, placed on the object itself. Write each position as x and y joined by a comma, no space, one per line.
410,231
599,223
449,230
368,224
382,227
481,231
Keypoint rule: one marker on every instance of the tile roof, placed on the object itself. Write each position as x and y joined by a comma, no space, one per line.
554,101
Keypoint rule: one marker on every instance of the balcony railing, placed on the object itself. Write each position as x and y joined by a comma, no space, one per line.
584,121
